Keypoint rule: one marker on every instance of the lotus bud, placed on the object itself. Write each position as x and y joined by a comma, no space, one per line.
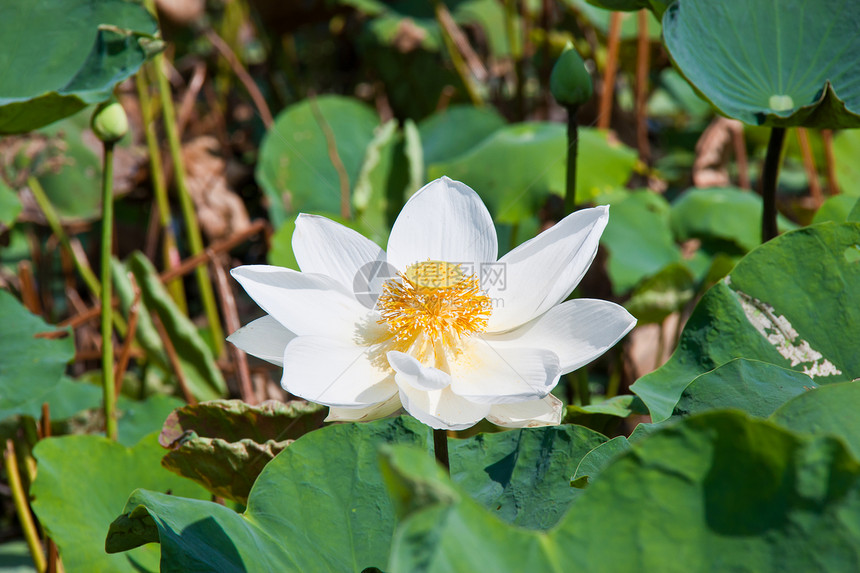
109,122
570,82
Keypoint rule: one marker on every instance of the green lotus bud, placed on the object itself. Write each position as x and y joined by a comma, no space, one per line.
109,122
570,82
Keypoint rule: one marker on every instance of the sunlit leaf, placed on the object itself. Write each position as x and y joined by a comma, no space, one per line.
757,388
717,491
82,484
224,444
779,64
30,367
92,46
295,168
790,302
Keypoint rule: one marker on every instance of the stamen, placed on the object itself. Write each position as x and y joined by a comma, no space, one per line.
431,309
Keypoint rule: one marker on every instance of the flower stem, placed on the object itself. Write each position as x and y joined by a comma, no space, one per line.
28,525
440,448
572,150
769,177
106,293
53,220
159,187
195,239
582,387
81,264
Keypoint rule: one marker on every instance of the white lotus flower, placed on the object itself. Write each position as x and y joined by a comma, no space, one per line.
444,342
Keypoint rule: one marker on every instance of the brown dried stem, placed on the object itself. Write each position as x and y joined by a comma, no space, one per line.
173,357
604,114
243,75
231,317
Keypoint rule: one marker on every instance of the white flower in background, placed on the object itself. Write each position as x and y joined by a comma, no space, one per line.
454,336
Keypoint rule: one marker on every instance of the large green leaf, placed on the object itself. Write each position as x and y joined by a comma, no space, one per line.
72,170
787,63
721,217
10,206
295,167
203,376
30,367
527,471
668,291
600,457
639,239
321,504
846,150
606,416
456,130
791,302
224,444
829,410
715,492
57,56
836,208
757,388
517,166
139,418
83,482
599,13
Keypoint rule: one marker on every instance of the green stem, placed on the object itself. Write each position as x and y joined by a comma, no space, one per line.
82,266
170,250
440,448
195,239
615,375
769,178
106,293
22,507
53,219
572,150
582,387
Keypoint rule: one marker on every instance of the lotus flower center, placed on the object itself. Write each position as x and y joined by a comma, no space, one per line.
431,308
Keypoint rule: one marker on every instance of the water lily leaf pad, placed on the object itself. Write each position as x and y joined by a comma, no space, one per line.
528,163
829,410
604,417
790,302
659,296
10,206
456,130
527,469
722,218
846,150
600,457
333,475
598,14
836,208
31,367
765,63
757,388
139,418
295,167
717,491
92,46
224,444
83,482
639,239
352,515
